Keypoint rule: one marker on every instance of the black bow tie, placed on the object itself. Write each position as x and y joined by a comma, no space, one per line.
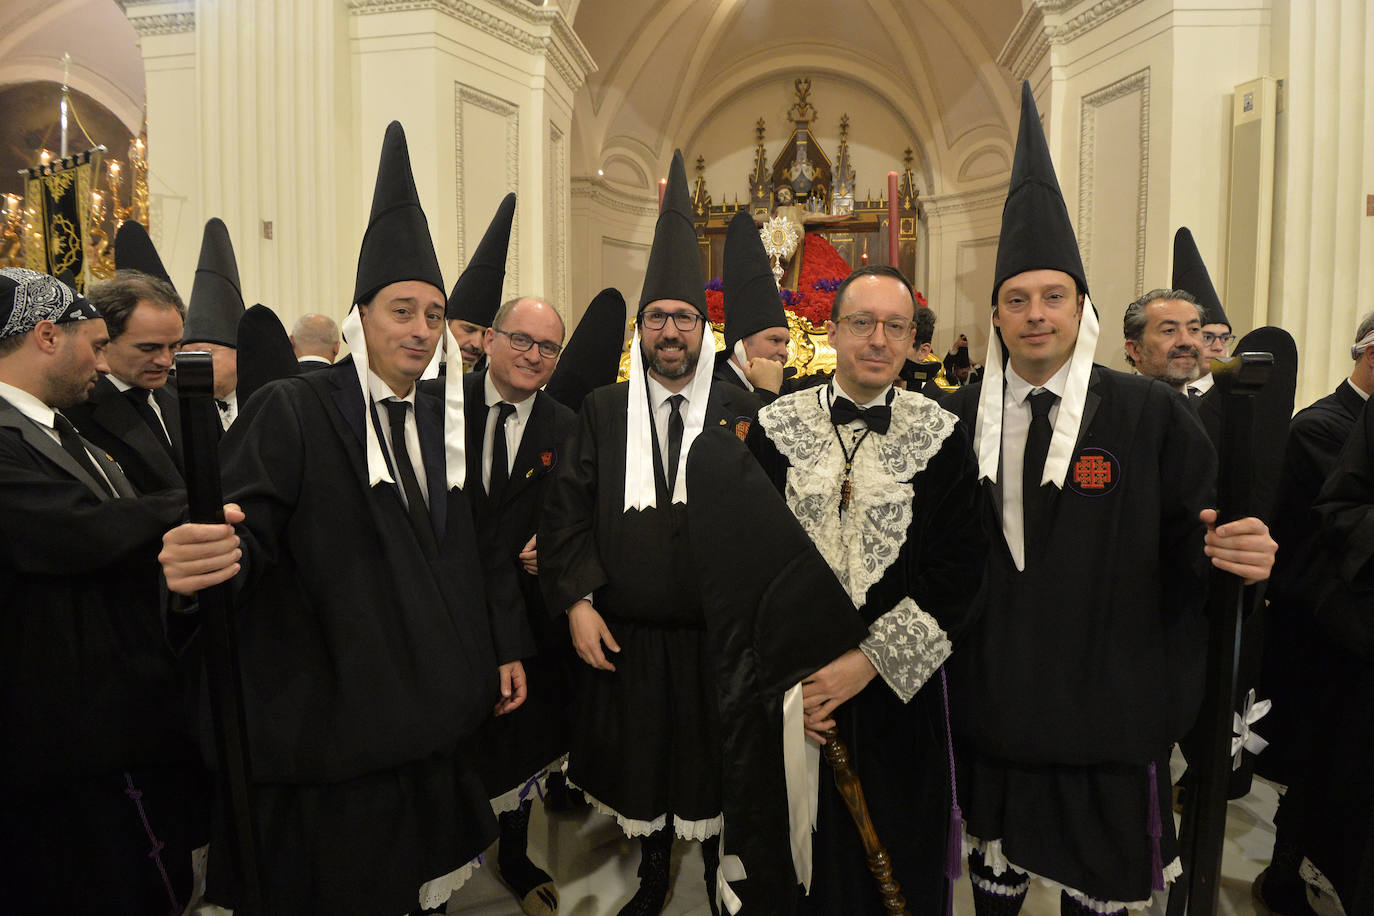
844,411
222,405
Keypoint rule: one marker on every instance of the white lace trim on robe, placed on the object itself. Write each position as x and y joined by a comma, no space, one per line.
434,894
907,646
996,860
685,829
534,787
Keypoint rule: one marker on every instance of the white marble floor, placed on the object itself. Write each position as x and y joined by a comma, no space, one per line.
595,868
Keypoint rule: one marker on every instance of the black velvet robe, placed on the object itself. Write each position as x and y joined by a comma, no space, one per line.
110,421
645,737
1339,833
91,691
1087,666
900,750
364,664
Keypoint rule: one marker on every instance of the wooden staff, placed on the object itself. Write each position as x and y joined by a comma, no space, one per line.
1203,829
200,431
847,781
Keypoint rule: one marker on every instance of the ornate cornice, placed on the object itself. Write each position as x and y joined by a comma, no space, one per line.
534,29
598,191
1044,24
169,18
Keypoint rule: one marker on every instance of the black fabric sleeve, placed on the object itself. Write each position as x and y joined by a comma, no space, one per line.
569,558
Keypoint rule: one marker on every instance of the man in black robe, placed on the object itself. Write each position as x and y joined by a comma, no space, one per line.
315,341
475,297
614,554
213,313
516,435
1338,814
131,413
1295,654
885,483
1086,665
105,796
366,648
756,332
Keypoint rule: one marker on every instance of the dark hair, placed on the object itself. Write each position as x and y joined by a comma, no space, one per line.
1133,321
872,270
116,298
925,326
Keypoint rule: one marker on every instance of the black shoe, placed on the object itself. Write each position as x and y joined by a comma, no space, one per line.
1282,895
653,894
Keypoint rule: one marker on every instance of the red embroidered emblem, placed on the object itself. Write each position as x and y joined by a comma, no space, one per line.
546,459
1095,472
742,425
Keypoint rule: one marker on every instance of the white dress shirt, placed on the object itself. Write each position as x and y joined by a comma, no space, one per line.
33,408
1016,420
1364,395
380,392
147,396
740,372
1201,386
515,429
662,411
230,412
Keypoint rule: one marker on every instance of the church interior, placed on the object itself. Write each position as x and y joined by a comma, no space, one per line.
860,132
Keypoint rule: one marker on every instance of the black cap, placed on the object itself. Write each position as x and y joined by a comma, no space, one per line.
1190,275
397,245
752,301
674,270
477,294
265,351
1036,231
212,315
592,356
135,251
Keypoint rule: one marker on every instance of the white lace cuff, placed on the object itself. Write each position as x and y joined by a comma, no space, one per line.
907,646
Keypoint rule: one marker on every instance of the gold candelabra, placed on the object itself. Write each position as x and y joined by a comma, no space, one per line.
108,211
12,231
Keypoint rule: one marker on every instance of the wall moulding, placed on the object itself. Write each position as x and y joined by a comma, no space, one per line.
596,191
160,17
965,201
467,95
558,199
1046,23
1138,82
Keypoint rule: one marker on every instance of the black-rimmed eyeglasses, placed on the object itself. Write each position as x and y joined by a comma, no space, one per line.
655,320
522,342
1208,338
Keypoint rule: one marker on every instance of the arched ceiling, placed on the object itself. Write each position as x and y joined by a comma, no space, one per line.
106,64
666,68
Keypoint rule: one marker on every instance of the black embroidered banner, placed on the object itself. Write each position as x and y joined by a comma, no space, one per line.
60,197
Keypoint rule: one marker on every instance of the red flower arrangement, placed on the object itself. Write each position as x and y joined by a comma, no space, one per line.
822,272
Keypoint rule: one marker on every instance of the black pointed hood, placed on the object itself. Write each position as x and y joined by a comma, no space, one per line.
674,270
397,245
592,356
134,250
212,315
1190,275
477,294
1037,233
752,302
265,352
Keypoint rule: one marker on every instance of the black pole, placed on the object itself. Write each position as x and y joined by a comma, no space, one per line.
1203,831
200,431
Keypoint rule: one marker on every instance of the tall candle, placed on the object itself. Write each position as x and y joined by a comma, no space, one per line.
662,188
893,248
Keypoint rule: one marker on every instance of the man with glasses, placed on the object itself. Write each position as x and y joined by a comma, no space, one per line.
614,553
515,438
884,481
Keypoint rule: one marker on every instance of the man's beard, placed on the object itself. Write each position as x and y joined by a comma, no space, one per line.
684,369
1179,379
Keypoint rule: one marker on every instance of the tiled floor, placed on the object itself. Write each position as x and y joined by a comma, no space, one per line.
595,868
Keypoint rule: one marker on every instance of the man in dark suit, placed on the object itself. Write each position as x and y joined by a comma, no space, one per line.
515,437
315,339
93,745
131,414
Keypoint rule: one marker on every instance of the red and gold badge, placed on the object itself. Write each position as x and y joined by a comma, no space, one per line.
547,459
1095,472
742,425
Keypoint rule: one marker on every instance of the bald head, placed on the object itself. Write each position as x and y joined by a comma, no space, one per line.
315,335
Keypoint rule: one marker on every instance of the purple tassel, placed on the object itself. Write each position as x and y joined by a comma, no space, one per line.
1156,830
954,852
954,856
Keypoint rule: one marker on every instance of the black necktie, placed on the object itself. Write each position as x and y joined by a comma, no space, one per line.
139,397
72,445
844,411
674,439
1194,395
1033,502
410,486
500,462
